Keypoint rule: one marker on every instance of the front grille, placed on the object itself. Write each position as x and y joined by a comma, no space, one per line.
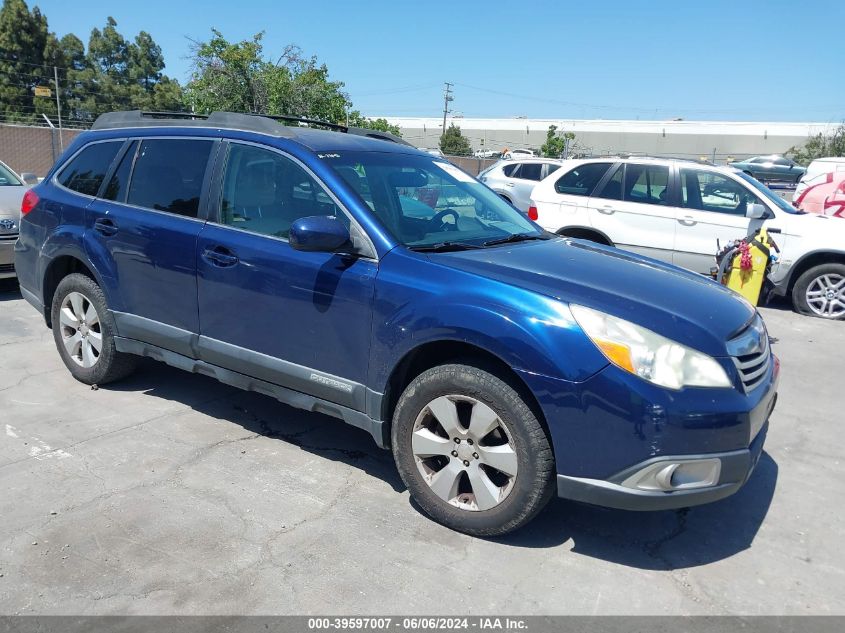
7,268
751,354
8,236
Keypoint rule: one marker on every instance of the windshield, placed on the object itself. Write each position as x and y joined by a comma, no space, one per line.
782,204
424,201
7,178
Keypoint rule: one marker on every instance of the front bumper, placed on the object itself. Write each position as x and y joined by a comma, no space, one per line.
7,258
622,442
735,469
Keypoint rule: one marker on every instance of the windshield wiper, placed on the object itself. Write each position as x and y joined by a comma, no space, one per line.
517,237
443,247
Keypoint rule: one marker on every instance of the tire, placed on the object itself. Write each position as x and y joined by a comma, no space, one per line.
820,292
76,338
482,500
505,198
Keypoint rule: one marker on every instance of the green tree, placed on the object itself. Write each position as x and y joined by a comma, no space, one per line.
453,143
237,77
356,119
556,145
23,38
821,145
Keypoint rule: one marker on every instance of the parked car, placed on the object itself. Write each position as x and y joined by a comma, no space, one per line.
485,153
500,364
12,188
824,194
515,180
681,212
771,168
518,153
816,168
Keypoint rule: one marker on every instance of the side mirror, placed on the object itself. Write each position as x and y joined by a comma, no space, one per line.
319,233
756,211
29,178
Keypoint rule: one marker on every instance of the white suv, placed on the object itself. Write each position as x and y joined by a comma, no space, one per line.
514,180
682,212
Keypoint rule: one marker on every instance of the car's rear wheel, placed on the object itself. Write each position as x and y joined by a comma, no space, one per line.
820,292
83,329
471,451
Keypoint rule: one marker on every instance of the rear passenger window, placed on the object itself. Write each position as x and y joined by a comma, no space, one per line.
531,171
510,170
646,183
582,180
85,173
168,175
116,189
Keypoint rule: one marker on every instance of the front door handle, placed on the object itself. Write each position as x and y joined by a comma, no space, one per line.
105,226
607,210
687,221
220,256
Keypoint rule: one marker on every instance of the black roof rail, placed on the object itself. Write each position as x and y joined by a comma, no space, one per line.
262,123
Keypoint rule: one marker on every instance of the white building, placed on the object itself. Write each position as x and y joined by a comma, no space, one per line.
711,139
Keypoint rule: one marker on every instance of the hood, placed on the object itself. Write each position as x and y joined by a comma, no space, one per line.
822,230
10,201
678,304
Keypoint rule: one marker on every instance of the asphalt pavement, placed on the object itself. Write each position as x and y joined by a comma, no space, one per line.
170,493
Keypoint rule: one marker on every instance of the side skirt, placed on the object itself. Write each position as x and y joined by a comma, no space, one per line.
376,428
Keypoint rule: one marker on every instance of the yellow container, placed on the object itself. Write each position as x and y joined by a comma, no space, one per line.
749,281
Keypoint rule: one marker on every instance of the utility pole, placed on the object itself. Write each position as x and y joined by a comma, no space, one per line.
58,107
447,97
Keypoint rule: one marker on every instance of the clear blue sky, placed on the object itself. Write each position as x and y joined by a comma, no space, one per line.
778,60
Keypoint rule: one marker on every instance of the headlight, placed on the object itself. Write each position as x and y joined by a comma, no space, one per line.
649,355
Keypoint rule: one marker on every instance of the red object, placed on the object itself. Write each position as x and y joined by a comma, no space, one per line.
532,213
826,196
30,199
745,259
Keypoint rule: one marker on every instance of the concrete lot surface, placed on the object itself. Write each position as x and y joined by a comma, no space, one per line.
170,493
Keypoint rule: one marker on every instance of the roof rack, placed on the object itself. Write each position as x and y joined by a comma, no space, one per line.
261,123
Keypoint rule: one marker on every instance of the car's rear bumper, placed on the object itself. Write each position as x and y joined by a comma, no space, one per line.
735,468
7,258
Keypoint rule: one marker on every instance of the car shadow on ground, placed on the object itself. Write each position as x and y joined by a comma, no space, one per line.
9,290
316,433
647,540
665,540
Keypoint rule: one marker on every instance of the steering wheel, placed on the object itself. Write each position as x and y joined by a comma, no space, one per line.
437,221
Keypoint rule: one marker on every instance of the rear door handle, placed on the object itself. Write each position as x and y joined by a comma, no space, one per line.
105,226
509,184
220,256
607,210
687,221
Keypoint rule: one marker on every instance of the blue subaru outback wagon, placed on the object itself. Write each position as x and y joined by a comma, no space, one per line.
345,272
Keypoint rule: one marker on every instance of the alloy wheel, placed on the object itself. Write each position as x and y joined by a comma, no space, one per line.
464,452
80,329
826,295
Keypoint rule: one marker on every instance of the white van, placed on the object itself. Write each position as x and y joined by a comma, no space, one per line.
817,168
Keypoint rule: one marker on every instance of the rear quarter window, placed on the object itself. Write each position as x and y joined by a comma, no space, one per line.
85,171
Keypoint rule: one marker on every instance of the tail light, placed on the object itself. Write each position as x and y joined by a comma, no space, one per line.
30,199
532,213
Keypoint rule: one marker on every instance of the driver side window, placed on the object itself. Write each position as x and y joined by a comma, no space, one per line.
709,191
265,192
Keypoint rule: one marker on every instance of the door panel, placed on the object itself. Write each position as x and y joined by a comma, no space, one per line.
297,319
632,209
152,249
712,215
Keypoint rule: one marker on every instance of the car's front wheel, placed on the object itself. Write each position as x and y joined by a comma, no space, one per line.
471,451
84,331
820,292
